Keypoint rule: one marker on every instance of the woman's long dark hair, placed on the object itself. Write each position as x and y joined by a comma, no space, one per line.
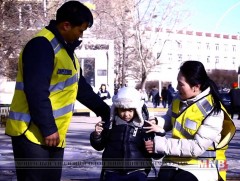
195,73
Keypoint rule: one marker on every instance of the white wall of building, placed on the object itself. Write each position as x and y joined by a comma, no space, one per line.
215,51
104,60
6,90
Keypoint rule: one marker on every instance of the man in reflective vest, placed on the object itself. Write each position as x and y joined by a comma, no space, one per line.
49,81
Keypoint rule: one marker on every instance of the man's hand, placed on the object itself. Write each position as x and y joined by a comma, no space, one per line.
149,145
98,128
52,140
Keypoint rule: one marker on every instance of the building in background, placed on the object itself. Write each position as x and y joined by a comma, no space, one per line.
96,56
215,51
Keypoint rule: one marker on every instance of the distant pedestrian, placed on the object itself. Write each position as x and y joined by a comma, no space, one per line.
170,95
164,95
103,92
154,94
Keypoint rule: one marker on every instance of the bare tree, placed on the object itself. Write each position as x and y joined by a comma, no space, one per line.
158,15
223,78
126,22
20,21
113,21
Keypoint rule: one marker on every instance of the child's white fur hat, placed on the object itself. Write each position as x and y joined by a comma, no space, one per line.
128,97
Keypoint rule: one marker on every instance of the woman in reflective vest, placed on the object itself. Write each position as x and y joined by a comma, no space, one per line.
201,130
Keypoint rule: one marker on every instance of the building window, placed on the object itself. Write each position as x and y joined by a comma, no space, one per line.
208,59
198,45
217,47
234,48
179,44
225,47
88,69
217,59
179,57
234,60
208,46
170,57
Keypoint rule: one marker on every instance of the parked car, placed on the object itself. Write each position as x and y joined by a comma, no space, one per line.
226,100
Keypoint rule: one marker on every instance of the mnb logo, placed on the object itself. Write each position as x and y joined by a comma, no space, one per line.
220,164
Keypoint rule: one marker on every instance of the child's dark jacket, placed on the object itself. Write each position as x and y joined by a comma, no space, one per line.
124,149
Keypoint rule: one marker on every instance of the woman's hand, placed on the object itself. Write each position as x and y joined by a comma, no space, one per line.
153,127
153,120
149,145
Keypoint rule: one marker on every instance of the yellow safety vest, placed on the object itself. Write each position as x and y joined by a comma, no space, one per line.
63,92
186,124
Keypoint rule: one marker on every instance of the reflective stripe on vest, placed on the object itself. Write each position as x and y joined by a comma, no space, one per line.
208,154
204,106
19,116
179,127
56,45
62,85
58,86
26,117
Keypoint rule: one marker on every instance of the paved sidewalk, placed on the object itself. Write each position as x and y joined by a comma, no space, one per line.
82,162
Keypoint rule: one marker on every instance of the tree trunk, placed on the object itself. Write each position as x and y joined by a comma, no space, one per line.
144,79
123,62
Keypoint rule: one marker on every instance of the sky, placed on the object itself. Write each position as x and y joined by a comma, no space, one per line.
214,16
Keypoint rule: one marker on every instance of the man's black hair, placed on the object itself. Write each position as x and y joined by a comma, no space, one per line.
74,12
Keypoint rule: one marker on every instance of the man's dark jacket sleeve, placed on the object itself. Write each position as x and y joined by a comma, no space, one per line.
38,62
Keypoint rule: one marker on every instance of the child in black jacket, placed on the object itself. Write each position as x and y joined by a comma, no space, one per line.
124,156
